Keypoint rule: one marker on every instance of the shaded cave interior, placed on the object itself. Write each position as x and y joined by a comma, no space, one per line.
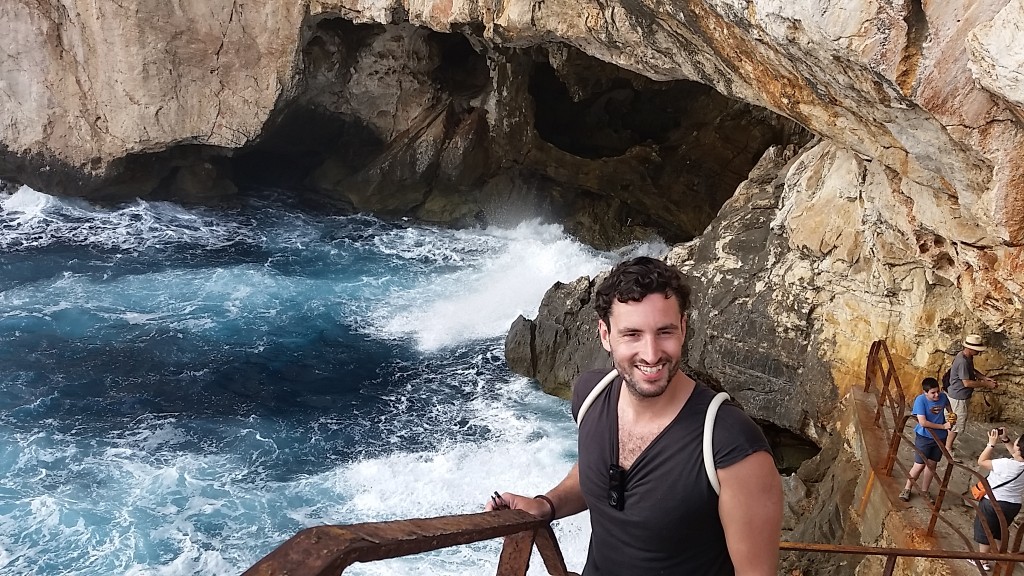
543,132
790,449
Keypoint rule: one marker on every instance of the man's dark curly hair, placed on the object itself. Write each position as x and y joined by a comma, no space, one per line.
634,280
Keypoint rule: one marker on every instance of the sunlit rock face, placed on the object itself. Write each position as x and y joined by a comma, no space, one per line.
903,220
94,96
929,93
868,272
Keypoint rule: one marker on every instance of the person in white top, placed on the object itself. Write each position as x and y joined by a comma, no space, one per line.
1006,478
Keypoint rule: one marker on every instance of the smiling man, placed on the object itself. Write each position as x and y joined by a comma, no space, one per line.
640,471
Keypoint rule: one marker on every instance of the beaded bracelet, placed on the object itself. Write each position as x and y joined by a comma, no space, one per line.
550,505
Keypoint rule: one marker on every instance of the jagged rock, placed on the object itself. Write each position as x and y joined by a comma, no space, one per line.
562,346
366,112
750,325
826,512
794,498
784,294
814,469
874,275
746,329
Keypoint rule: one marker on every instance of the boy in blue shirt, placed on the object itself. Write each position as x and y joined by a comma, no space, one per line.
930,409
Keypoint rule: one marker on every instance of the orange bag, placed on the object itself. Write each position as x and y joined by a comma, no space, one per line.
978,491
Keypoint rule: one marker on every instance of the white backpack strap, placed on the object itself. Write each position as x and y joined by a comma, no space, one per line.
594,394
709,432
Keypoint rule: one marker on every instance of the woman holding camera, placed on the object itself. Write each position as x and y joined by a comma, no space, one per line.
1006,477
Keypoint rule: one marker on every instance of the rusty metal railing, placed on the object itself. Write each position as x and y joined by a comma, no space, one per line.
328,550
893,554
885,378
881,372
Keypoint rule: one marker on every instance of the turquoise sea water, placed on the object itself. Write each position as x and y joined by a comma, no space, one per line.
181,390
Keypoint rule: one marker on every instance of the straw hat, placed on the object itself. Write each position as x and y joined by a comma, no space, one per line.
975,342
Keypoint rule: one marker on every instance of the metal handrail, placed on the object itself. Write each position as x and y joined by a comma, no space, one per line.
892,554
328,550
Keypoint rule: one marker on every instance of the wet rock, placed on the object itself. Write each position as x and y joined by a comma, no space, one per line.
563,343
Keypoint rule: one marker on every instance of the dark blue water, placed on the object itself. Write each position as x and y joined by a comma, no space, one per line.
183,389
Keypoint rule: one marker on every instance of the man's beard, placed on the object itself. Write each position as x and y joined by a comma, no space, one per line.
648,389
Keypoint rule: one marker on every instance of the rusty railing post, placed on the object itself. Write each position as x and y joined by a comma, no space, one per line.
515,554
890,565
550,553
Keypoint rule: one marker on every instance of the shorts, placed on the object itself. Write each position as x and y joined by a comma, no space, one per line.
928,447
986,510
960,409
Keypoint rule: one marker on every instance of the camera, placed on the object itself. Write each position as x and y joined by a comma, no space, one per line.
617,487
614,501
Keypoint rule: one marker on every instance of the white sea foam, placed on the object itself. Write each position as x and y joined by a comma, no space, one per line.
191,518
490,277
32,219
26,204
144,505
437,246
481,301
458,481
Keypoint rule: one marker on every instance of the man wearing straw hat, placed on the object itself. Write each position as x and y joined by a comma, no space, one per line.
960,385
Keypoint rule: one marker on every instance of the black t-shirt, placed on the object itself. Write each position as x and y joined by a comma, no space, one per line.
670,522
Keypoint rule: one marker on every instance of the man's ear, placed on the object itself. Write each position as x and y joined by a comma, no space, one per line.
602,329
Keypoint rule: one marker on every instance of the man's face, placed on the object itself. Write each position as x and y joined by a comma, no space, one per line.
646,342
932,394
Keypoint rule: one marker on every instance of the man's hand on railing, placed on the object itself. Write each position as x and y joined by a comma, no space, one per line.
535,506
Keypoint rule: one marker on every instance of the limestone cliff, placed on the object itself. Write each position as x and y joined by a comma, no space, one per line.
903,220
